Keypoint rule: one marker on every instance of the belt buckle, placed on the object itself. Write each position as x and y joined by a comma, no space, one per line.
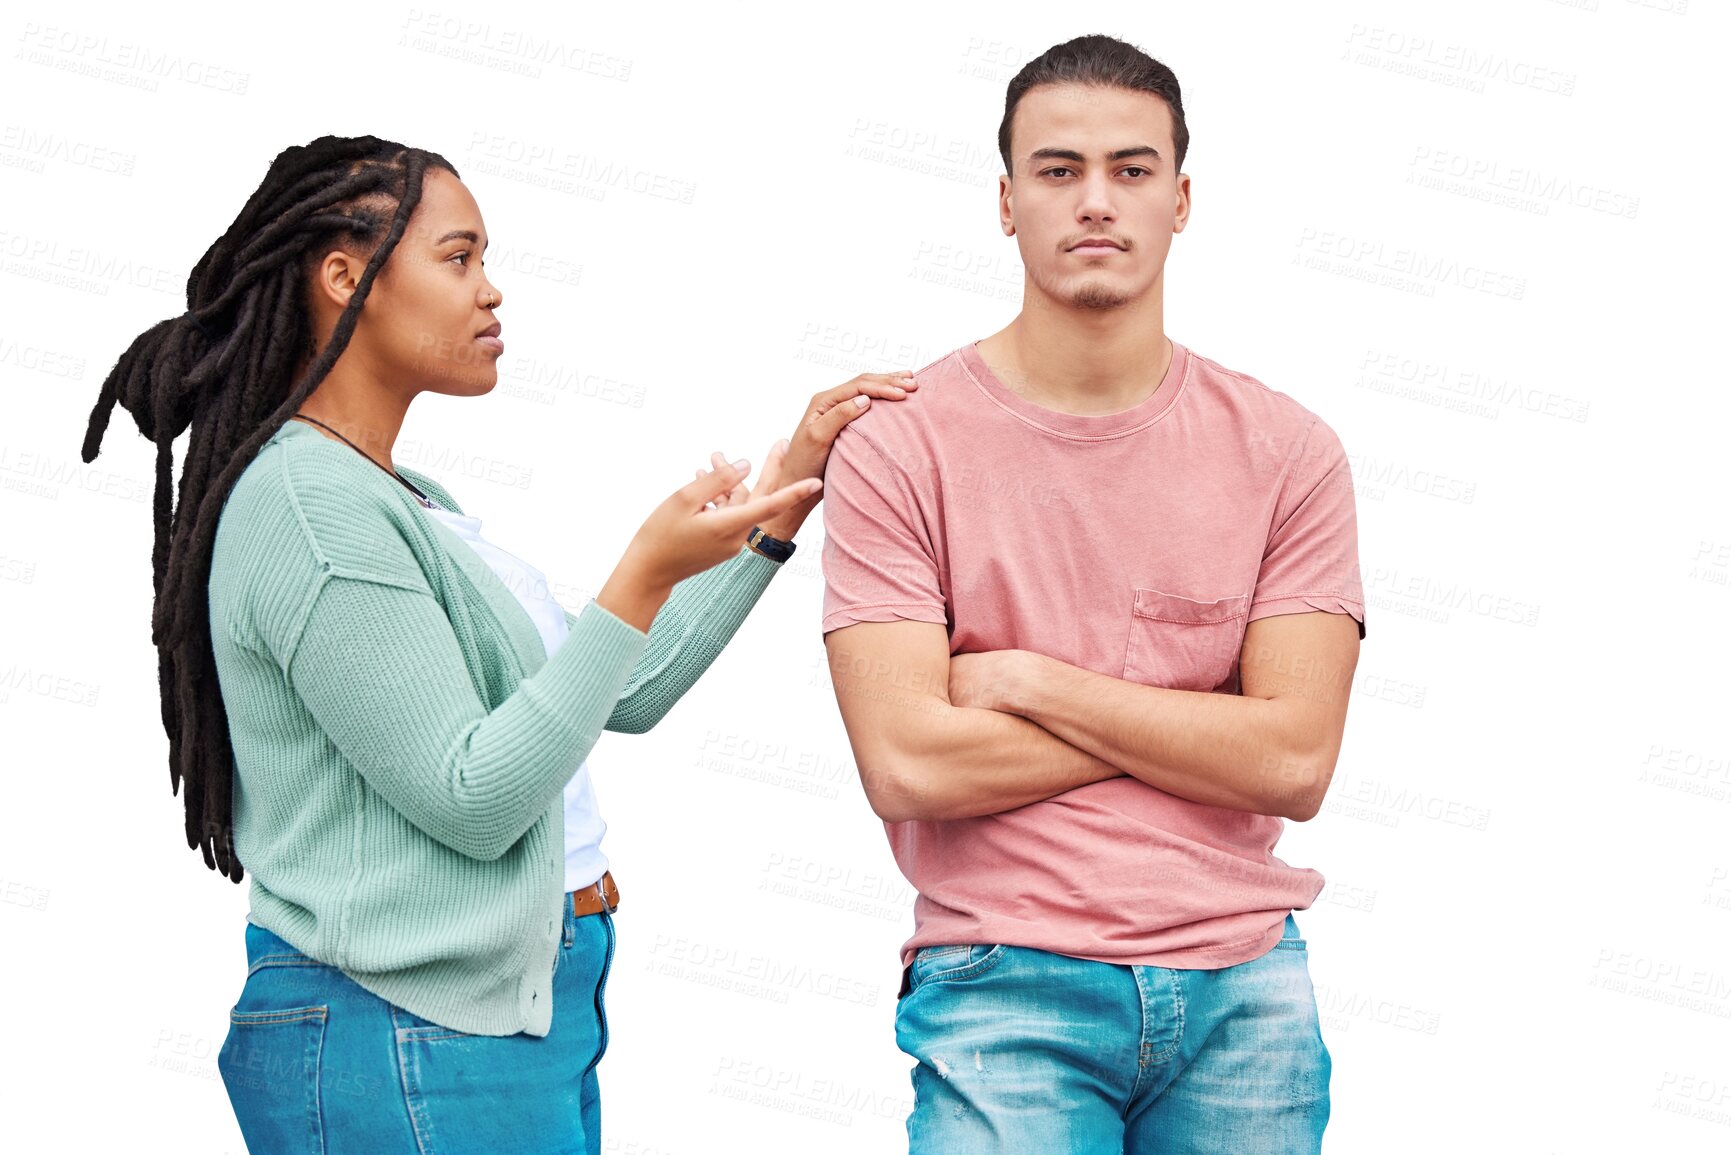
611,904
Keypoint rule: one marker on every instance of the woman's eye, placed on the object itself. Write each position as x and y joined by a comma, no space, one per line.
464,255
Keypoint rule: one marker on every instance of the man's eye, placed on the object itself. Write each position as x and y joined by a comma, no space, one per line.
1056,170
1136,169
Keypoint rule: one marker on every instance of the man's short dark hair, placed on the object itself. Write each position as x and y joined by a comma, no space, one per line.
1103,61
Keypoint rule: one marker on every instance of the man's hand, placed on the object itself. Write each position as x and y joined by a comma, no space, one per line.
920,754
1270,749
991,680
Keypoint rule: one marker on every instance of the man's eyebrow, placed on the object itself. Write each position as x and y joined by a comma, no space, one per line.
460,235
1040,154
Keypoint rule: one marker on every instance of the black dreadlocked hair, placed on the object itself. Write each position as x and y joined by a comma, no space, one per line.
224,368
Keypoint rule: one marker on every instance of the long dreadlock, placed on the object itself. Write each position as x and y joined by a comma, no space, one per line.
224,368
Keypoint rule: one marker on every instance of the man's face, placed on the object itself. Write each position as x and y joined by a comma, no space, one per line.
1092,164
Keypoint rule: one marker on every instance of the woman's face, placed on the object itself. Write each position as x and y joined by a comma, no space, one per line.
428,323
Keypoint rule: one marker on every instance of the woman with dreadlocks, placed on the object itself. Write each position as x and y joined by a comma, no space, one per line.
380,713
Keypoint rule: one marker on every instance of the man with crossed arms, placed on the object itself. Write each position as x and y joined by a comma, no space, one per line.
1092,610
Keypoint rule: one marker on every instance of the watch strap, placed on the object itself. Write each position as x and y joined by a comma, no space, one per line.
773,548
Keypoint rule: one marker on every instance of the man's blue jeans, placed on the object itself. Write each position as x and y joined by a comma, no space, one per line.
1023,1050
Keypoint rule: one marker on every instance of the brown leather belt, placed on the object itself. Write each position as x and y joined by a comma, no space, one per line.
596,897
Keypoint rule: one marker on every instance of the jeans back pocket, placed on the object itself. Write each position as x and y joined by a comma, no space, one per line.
1183,643
270,1065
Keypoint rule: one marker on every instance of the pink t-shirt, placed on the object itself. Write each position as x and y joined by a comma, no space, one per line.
1137,544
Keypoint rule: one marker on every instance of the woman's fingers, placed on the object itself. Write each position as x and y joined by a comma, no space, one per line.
769,479
892,386
714,485
737,493
740,518
825,426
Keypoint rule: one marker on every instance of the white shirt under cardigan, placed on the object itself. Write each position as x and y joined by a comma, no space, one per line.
584,862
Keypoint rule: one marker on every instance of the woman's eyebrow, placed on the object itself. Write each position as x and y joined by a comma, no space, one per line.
469,235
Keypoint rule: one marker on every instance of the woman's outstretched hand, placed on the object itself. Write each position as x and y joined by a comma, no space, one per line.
705,522
807,451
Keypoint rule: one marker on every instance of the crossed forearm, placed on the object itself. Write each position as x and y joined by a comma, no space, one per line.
945,762
1223,750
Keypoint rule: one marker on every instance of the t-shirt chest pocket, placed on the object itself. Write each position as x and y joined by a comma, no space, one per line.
1185,643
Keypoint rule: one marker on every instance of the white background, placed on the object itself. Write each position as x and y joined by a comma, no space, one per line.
1484,240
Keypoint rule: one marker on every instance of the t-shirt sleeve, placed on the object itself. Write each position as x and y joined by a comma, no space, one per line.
879,560
1311,562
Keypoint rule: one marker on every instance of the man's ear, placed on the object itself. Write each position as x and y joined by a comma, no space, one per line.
1006,220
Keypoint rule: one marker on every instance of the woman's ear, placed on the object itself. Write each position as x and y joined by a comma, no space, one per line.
337,277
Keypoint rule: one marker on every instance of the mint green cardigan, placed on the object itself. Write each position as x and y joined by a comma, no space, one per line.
401,739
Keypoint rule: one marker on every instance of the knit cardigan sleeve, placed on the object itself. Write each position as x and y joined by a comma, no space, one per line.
349,618
382,674
697,621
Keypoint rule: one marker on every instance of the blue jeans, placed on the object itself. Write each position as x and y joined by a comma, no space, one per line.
315,1063
1023,1050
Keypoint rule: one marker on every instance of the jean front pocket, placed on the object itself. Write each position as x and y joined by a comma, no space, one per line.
945,964
1183,643
270,1065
